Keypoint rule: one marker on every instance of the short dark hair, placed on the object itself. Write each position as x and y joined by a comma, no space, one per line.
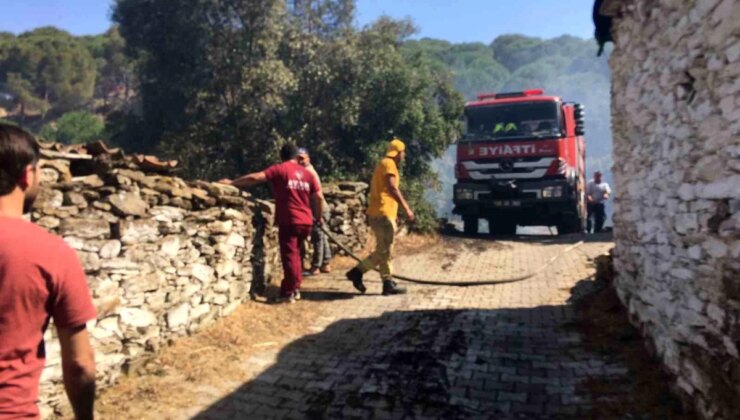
18,149
288,152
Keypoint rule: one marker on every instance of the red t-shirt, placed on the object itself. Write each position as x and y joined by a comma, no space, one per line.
40,277
292,186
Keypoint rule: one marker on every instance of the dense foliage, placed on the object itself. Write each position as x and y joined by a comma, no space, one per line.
225,84
75,127
229,82
46,69
220,85
48,72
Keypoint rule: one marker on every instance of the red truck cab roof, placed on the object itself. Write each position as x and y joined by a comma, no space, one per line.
530,95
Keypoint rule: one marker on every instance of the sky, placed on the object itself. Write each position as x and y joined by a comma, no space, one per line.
451,20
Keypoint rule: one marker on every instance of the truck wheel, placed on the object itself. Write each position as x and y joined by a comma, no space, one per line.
501,227
470,225
573,224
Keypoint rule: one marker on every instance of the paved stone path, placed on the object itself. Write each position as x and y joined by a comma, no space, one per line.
500,351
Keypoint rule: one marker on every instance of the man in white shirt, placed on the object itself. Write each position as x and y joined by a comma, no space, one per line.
597,192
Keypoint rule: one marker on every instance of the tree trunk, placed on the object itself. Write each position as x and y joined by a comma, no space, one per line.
23,115
44,106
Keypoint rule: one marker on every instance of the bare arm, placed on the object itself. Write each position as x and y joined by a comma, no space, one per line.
78,368
317,200
246,181
396,193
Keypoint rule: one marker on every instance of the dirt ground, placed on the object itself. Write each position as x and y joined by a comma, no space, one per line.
602,320
194,371
200,365
180,372
405,245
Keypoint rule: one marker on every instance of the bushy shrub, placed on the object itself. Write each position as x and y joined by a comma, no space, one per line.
74,128
4,121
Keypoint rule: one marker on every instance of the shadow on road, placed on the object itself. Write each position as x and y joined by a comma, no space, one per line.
503,363
539,239
325,295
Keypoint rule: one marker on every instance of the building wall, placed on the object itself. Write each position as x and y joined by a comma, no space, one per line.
163,257
676,124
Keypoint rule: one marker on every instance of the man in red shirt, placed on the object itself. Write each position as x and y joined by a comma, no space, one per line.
295,189
40,278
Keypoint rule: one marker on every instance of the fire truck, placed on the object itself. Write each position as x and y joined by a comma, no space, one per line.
521,162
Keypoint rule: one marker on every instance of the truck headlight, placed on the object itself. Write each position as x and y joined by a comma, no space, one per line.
552,192
464,194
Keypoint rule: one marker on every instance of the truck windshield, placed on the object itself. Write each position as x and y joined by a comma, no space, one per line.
513,121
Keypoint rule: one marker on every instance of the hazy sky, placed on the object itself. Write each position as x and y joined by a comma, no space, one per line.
452,20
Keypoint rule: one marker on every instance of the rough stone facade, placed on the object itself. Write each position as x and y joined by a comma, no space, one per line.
164,257
676,123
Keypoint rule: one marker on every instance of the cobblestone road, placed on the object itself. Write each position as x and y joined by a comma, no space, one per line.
500,351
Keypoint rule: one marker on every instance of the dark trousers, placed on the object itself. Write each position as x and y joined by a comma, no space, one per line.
321,247
596,211
291,237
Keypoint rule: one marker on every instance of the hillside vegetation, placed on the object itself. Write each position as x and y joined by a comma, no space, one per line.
220,86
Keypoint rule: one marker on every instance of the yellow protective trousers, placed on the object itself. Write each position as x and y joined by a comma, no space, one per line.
384,230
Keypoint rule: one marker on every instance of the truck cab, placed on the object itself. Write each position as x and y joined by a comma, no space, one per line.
521,162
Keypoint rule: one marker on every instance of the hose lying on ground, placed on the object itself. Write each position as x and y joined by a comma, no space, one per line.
460,283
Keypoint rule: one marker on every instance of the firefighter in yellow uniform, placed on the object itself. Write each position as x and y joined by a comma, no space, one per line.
385,197
505,128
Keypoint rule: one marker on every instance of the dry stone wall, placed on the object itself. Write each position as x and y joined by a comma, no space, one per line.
676,123
163,257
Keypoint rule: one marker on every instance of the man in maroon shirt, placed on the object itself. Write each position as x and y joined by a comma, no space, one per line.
40,278
295,189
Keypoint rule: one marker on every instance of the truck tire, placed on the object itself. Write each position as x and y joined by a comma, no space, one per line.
572,224
501,227
470,225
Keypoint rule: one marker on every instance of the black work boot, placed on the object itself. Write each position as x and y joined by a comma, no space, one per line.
355,276
391,288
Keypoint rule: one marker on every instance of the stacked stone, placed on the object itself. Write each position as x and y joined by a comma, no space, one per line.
163,256
676,121
348,205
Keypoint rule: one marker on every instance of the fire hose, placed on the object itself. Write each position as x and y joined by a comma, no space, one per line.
529,275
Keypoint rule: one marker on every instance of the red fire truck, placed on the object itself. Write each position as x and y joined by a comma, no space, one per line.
521,162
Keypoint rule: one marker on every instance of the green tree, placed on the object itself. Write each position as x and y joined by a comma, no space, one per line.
514,51
261,73
50,65
472,65
170,41
6,40
74,128
357,90
24,96
115,70
540,73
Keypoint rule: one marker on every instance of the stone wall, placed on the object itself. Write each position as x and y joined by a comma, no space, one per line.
164,257
676,123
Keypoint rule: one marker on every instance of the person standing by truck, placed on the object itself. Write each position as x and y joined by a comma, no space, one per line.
385,197
597,192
